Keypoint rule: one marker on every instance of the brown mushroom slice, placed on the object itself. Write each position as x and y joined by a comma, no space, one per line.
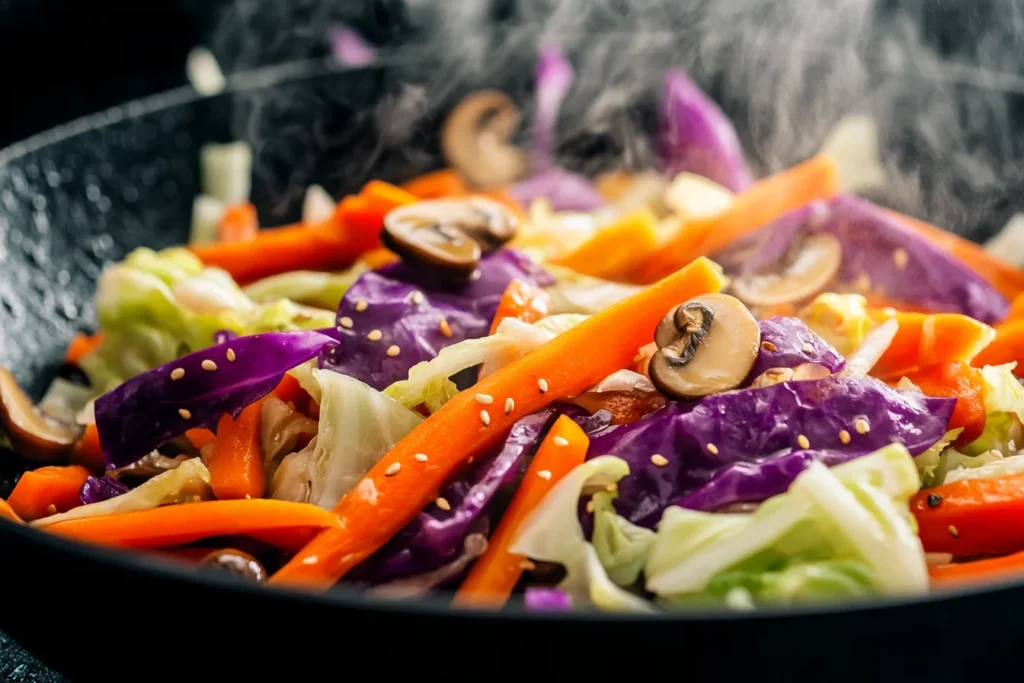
705,346
475,140
237,563
428,233
814,266
33,435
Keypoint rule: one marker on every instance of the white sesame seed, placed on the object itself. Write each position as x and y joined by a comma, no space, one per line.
712,449
900,258
209,365
476,275
659,460
561,441
768,346
485,417
484,399
417,297
807,347
527,565
542,384
361,305
544,474
393,350
510,405
803,442
446,329
374,335
185,413
861,425
177,373
231,355
443,504
420,457
346,322
844,436
392,469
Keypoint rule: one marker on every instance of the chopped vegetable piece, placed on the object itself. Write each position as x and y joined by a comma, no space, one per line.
962,382
930,339
8,513
87,451
961,573
47,491
285,523
81,345
789,343
238,224
1006,347
495,574
567,366
618,248
444,183
973,516
200,436
236,466
32,434
522,301
98,489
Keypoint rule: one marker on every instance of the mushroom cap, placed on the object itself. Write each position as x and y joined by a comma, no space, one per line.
815,265
475,139
33,434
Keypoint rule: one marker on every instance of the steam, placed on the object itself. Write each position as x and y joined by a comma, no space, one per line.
785,71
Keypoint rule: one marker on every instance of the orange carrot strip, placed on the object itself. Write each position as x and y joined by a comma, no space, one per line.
1007,347
972,516
331,245
47,491
87,452
1016,308
762,203
925,339
383,197
991,569
238,224
8,513
236,466
186,523
379,257
444,183
399,485
81,345
522,301
290,391
617,248
200,437
497,571
960,381
1004,277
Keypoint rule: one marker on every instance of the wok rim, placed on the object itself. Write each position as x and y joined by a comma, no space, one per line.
341,596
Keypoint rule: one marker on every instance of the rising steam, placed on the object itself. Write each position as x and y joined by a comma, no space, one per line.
786,71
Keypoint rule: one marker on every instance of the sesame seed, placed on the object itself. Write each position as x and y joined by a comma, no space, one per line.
560,441
392,469
712,449
484,399
953,531
51,509
177,373
768,346
209,365
374,335
542,384
446,329
346,322
900,258
443,504
590,505
803,441
248,496
527,565
417,297
485,417
510,405
934,500
611,488
544,474
420,457
476,275
393,350
807,348
862,283
185,413
231,355
196,499
861,425
659,460
844,436
361,305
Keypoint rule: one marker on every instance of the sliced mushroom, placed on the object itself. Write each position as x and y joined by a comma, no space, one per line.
236,562
475,139
705,346
802,372
33,435
815,263
448,235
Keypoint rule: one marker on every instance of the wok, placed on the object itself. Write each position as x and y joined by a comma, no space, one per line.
88,192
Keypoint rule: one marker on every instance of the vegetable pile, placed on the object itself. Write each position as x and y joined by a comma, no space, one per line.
645,391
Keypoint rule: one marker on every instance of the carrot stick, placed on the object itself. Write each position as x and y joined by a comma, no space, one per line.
1007,347
960,381
81,345
765,201
200,437
238,224
290,391
236,466
497,571
383,197
972,516
618,248
929,339
1009,281
87,452
331,245
444,183
186,523
8,513
47,491
961,573
1016,308
522,301
399,485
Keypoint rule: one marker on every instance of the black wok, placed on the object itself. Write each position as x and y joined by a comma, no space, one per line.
85,194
